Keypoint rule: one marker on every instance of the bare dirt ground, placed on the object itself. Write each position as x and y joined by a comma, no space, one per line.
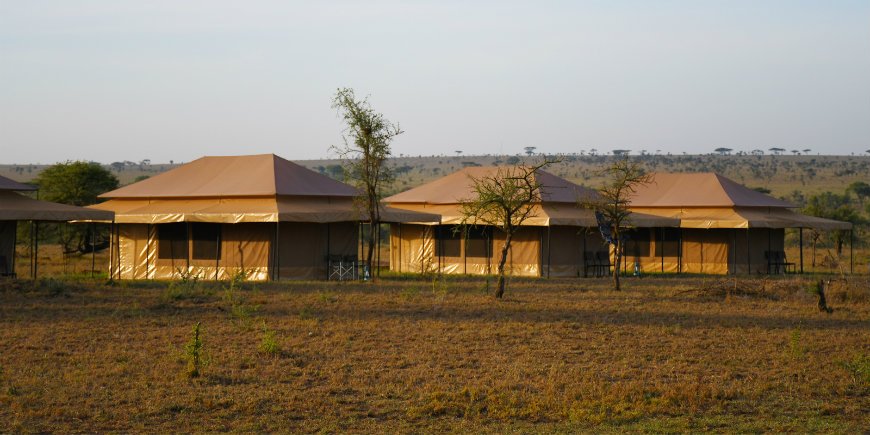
682,354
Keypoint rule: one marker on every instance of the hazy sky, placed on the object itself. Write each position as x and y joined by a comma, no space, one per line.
175,80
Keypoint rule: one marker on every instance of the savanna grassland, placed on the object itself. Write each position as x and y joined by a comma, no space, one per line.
781,174
667,354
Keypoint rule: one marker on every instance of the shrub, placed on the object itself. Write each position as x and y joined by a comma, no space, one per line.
195,352
269,344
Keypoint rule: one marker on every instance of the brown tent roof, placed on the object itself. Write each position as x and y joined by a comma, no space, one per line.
17,207
8,184
704,189
235,176
456,187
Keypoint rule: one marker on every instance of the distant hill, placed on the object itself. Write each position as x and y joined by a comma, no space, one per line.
781,174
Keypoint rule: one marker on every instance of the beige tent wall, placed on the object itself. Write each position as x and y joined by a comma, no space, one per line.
7,243
524,257
416,248
412,248
705,251
656,250
752,260
243,247
566,251
305,246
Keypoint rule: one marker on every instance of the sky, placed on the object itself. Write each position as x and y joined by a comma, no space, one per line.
168,80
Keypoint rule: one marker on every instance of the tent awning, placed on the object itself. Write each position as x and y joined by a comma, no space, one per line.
238,210
548,214
17,207
743,217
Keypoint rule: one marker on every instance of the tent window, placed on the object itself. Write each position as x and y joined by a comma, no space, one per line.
479,242
638,243
667,242
172,241
206,241
449,241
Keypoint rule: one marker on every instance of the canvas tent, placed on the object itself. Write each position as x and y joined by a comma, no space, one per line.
725,227
553,242
217,216
16,207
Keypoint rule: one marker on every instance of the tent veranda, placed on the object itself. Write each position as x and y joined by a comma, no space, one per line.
220,216
554,241
724,226
15,207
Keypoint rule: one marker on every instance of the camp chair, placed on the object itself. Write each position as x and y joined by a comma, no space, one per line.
349,266
5,269
333,267
590,262
603,263
784,263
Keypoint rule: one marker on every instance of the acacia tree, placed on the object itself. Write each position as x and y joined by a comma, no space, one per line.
367,137
75,183
621,180
504,199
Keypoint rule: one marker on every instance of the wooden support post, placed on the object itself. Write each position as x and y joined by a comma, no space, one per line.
801,238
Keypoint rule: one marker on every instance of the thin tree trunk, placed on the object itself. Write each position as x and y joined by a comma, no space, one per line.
617,263
499,292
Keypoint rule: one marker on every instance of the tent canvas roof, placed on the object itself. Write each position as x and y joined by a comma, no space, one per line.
8,184
456,187
547,214
705,189
238,210
235,176
17,207
743,217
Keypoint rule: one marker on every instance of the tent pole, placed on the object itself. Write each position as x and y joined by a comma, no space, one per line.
118,249
111,271
217,253
328,252
14,247
662,247
147,251
36,251
378,250
851,251
464,247
400,246
30,254
768,250
277,251
584,255
680,251
93,248
748,254
801,238
549,249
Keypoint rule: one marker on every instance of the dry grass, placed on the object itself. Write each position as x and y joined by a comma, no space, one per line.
667,354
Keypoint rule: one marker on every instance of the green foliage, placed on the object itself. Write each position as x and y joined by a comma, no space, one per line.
796,348
503,199
269,343
622,177
859,369
185,287
241,312
830,205
75,183
367,138
194,351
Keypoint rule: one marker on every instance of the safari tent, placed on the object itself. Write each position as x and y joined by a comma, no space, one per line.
725,227
15,207
556,241
218,216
